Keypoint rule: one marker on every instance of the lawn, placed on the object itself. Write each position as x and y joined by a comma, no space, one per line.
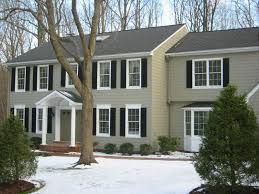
112,176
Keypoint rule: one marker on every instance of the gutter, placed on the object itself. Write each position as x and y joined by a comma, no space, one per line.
100,57
214,51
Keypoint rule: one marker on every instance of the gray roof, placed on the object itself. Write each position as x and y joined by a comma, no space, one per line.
199,105
119,42
71,95
235,38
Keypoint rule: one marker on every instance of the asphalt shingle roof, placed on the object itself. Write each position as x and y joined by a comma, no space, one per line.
199,105
222,39
120,42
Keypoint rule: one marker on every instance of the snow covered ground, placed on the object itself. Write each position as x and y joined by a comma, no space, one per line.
116,176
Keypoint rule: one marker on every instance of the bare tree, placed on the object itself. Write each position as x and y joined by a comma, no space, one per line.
83,85
244,12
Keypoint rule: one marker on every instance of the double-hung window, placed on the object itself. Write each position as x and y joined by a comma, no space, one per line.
208,73
19,112
43,77
103,120
196,121
104,75
69,82
39,123
133,120
133,73
20,79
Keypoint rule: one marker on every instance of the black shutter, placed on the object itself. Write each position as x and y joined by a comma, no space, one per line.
189,74
122,122
225,72
113,74
113,122
49,130
63,77
80,72
50,77
144,73
28,75
94,75
35,78
143,122
13,79
26,121
33,120
123,73
94,121
12,111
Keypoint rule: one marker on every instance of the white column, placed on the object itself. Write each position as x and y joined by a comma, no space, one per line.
73,126
44,125
57,124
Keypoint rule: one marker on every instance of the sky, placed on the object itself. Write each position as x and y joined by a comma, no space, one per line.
167,15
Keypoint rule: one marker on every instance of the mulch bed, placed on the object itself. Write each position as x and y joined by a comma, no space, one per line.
225,190
15,188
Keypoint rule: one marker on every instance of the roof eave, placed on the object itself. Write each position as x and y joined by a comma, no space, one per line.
214,51
99,57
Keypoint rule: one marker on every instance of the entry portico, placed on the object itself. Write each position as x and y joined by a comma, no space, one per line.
60,100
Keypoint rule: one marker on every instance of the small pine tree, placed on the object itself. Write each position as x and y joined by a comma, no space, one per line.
17,161
227,156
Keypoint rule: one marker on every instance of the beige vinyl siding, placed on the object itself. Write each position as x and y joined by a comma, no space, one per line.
160,108
254,102
244,71
117,98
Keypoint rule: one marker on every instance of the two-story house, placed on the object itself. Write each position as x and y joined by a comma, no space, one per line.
129,89
199,66
146,83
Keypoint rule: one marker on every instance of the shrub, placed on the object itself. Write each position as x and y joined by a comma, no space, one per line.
110,148
17,160
145,149
167,144
126,149
36,141
227,155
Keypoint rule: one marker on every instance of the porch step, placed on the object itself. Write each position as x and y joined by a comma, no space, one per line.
60,147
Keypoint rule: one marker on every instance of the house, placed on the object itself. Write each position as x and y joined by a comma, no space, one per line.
146,83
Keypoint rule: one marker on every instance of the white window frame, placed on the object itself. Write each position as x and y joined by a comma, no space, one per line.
208,86
98,75
132,106
37,124
67,76
203,109
98,107
16,79
38,77
127,74
20,106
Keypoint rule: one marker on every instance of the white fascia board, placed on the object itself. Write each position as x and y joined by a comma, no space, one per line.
214,51
252,92
100,57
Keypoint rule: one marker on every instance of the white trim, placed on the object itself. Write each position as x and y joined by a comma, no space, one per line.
100,57
198,108
73,127
98,75
127,73
252,92
38,78
214,51
208,86
98,107
37,124
67,85
132,106
71,102
184,26
20,106
16,79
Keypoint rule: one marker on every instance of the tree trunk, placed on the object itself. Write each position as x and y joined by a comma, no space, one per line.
3,93
41,32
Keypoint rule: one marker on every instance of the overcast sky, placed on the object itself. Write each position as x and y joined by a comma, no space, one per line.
167,15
